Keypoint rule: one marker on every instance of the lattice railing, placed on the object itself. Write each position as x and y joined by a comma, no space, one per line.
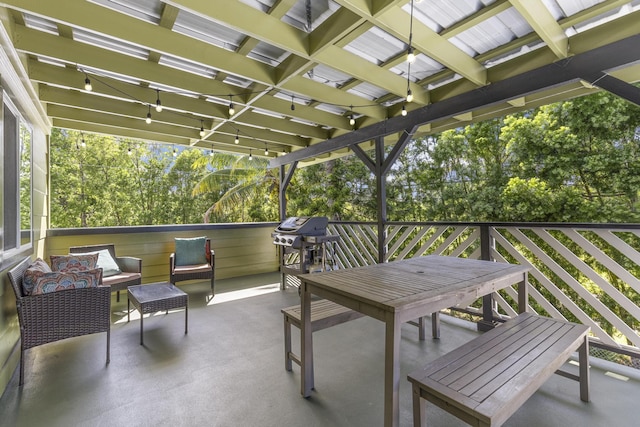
579,272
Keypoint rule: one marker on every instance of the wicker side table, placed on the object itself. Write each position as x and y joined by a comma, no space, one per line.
156,297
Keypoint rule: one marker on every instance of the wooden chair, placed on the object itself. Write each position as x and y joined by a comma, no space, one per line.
130,267
179,273
58,315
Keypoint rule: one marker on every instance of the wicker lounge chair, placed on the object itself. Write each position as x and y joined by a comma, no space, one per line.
58,315
178,273
130,267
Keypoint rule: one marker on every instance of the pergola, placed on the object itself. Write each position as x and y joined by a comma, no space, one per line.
309,80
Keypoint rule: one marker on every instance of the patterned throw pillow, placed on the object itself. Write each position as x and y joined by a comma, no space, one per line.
36,269
60,281
75,262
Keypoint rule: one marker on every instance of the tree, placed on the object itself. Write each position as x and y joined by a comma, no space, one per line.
240,185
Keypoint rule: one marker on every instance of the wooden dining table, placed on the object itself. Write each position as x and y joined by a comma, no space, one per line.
397,292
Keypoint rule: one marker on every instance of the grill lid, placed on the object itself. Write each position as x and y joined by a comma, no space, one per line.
304,225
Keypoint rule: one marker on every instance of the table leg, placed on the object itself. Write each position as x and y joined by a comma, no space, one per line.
523,294
306,354
186,311
141,318
392,372
128,310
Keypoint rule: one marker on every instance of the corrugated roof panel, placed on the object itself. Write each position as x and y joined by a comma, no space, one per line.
146,10
441,14
421,68
295,98
269,54
187,66
492,33
608,16
569,7
309,19
41,24
237,81
207,31
110,44
263,5
376,46
368,91
330,108
327,75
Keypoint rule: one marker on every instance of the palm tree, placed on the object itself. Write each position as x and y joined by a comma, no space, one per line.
236,177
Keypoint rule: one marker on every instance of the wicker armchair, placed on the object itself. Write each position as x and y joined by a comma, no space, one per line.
59,315
191,272
131,268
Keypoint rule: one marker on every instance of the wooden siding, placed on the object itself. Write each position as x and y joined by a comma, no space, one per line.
241,250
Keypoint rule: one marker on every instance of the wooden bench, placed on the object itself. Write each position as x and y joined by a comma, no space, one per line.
325,314
486,380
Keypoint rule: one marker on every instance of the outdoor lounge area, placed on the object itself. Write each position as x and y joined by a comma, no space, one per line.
298,84
229,371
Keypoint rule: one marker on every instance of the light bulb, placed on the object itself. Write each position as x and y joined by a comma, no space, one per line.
148,120
409,96
87,84
129,151
175,153
158,106
266,151
202,132
232,110
237,141
404,111
411,57
352,120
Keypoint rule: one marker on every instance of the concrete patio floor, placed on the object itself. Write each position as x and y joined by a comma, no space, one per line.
229,371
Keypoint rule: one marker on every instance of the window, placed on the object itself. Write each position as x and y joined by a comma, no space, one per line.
16,221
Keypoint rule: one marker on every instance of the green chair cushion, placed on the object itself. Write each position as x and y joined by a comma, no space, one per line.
190,251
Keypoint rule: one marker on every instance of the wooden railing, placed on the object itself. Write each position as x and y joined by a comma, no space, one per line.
586,273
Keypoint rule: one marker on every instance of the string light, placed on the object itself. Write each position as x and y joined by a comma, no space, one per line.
158,103
409,95
411,56
237,141
293,106
82,142
148,120
266,150
129,151
87,83
250,155
404,110
211,151
175,153
202,129
352,120
232,110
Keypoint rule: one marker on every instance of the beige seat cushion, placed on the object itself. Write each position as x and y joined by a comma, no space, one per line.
185,269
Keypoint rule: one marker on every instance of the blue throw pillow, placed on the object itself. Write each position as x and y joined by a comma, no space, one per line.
190,251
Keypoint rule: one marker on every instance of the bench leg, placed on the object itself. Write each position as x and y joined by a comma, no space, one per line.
583,359
435,325
287,343
419,408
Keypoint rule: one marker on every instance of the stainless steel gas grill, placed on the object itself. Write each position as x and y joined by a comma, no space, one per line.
305,247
